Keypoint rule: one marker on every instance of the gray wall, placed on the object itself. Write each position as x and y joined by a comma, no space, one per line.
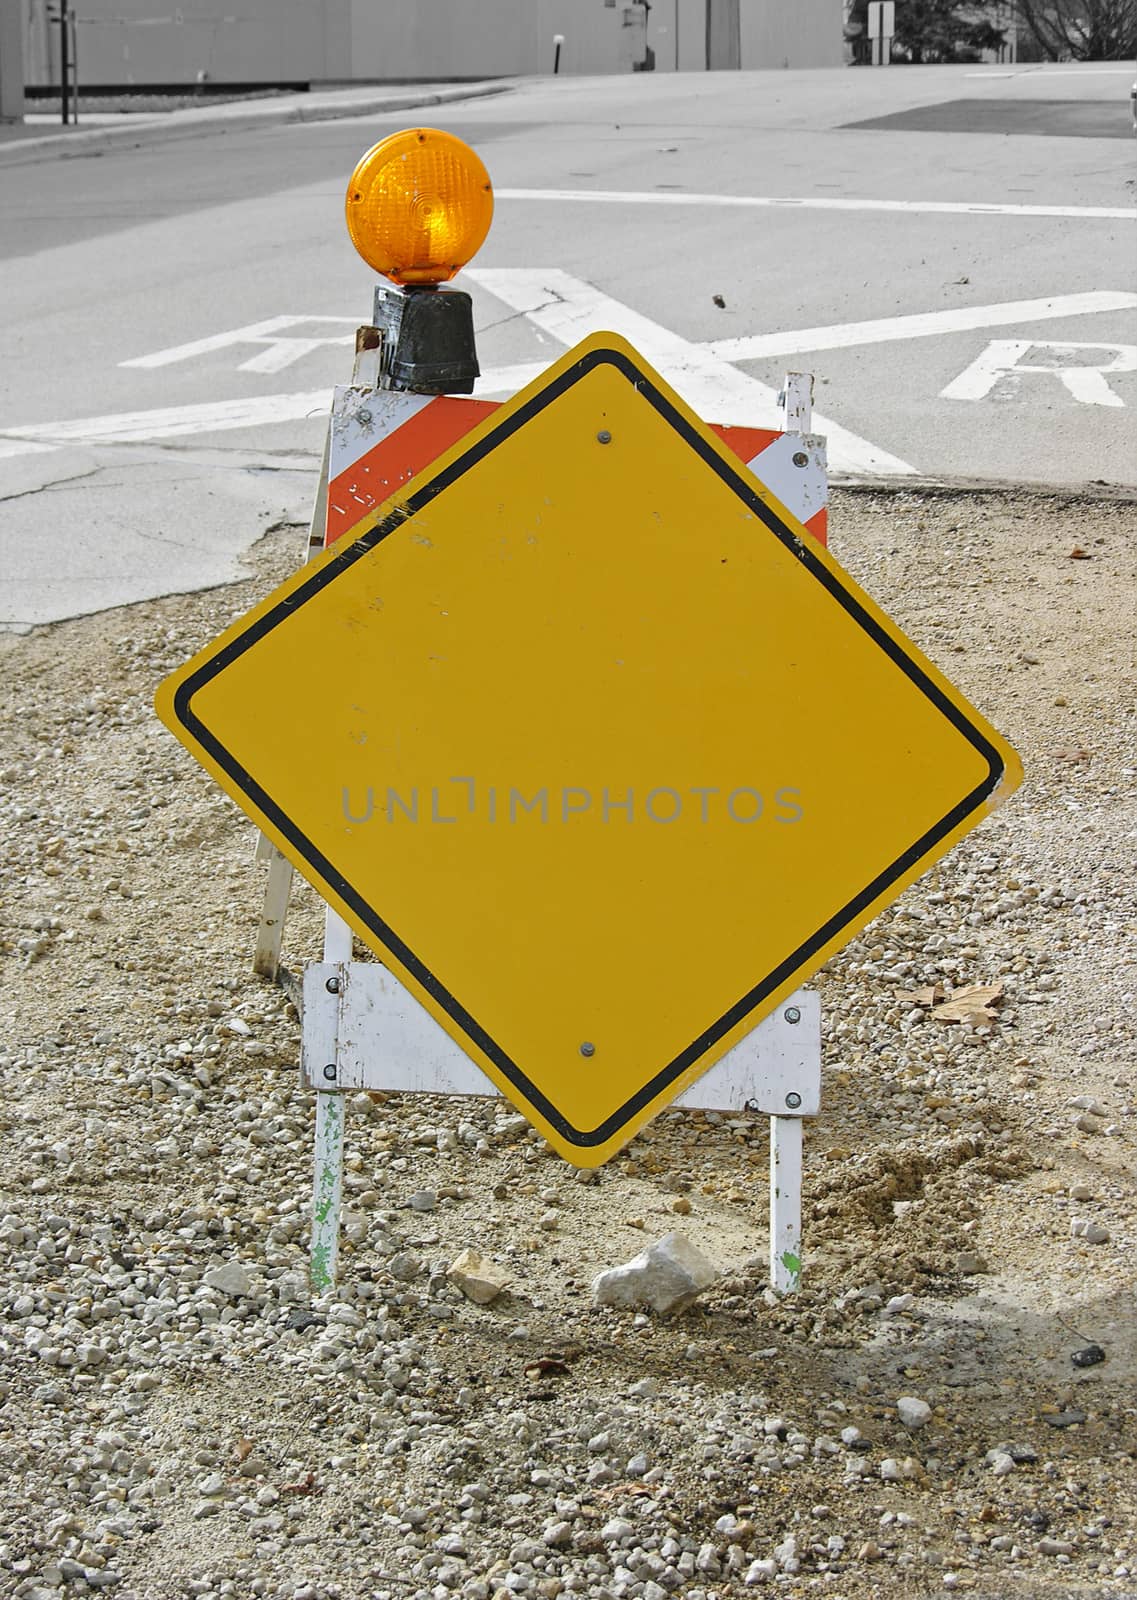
481,38
321,41
137,41
800,33
11,60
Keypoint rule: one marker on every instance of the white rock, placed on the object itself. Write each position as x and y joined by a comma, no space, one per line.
913,1413
230,1278
666,1277
707,1561
899,1303
1091,1232
785,1554
479,1280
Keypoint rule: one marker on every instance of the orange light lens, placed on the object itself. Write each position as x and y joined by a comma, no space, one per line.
419,206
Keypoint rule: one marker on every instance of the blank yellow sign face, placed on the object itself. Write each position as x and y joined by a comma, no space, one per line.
595,747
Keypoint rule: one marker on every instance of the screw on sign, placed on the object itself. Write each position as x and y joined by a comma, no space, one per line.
611,740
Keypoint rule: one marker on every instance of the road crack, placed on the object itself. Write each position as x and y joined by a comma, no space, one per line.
55,484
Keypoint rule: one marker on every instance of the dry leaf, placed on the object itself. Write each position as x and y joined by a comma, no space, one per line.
1074,755
1078,554
972,1004
927,996
306,1485
243,1449
621,1491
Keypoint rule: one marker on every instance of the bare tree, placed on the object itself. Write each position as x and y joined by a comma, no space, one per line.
931,30
945,30
1081,30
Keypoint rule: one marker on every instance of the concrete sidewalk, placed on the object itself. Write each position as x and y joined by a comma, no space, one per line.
22,142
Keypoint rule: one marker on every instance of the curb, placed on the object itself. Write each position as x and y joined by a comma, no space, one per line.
164,128
1096,489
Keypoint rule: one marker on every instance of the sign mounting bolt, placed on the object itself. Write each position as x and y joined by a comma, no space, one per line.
332,986
588,1048
800,459
793,1100
604,436
792,1014
330,1072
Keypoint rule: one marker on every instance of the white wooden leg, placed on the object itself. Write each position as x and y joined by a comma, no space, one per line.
337,937
797,402
327,1190
318,527
785,1203
270,931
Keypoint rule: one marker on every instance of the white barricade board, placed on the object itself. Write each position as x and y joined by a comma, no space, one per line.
364,1030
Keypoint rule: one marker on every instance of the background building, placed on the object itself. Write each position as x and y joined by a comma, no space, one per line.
11,60
154,42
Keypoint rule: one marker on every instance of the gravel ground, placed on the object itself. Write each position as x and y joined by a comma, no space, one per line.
913,1422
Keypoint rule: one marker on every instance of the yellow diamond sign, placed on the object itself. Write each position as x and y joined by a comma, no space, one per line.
594,746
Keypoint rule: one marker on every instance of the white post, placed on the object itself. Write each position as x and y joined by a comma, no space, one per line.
327,1186
785,1203
327,1191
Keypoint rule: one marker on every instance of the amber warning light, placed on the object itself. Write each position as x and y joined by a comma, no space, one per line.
419,206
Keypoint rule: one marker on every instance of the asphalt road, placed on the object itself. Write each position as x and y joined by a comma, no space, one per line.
959,282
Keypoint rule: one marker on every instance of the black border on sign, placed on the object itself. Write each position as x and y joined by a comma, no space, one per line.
389,939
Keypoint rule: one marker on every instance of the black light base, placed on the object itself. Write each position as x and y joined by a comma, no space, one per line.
428,339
